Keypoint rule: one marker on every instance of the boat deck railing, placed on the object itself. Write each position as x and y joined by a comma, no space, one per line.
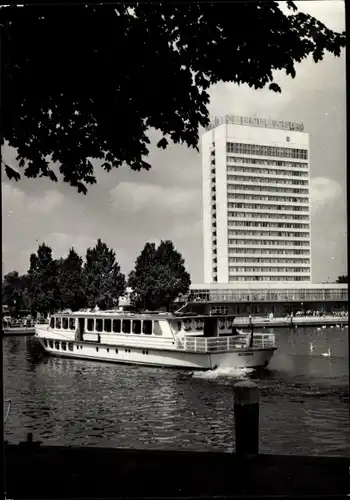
222,344
18,323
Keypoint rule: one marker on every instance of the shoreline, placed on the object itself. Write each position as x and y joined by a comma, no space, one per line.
241,322
296,321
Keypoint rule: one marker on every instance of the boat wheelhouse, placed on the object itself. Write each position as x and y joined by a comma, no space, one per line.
157,339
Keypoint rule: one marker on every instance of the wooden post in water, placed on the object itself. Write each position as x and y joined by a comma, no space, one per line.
246,414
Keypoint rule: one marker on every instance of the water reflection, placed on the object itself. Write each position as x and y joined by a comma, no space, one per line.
304,399
13,345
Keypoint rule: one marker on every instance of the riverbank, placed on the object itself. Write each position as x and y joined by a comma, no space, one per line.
260,322
242,322
62,472
18,331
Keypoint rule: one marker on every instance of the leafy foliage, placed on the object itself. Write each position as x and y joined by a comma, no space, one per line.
342,279
105,74
52,285
159,276
14,293
103,279
43,281
71,281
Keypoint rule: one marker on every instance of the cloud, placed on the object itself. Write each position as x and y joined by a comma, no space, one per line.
229,98
50,201
62,242
323,192
12,196
136,198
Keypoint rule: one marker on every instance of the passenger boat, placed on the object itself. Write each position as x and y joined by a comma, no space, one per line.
17,327
156,339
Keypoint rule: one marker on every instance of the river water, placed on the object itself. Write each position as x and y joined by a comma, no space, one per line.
304,399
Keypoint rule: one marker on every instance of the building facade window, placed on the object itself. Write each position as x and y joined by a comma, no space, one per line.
258,150
260,227
272,163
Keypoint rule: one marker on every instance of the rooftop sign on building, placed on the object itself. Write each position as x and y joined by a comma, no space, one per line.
253,121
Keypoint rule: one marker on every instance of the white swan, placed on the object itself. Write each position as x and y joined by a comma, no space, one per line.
324,326
327,354
319,328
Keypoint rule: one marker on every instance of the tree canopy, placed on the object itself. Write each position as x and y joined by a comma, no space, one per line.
15,292
65,283
50,285
43,274
159,276
71,281
86,82
104,283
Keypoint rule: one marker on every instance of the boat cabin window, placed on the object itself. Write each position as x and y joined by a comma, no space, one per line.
52,322
229,323
147,327
116,325
126,325
99,325
136,326
210,327
51,343
90,324
199,324
65,323
179,326
157,330
64,346
72,323
70,346
107,325
221,324
187,325
57,345
58,322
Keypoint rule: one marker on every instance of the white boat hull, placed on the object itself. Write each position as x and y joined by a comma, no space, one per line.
19,331
242,358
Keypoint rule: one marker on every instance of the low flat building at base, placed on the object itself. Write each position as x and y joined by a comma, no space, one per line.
276,298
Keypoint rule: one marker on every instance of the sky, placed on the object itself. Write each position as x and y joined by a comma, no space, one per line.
126,209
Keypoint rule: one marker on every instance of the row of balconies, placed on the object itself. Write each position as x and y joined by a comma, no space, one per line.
269,225
255,216
213,214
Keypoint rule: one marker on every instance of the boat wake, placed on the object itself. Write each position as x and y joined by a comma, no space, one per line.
227,372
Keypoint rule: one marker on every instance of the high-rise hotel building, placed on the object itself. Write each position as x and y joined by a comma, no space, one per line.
256,201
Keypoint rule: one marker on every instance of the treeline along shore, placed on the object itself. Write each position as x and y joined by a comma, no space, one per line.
71,282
